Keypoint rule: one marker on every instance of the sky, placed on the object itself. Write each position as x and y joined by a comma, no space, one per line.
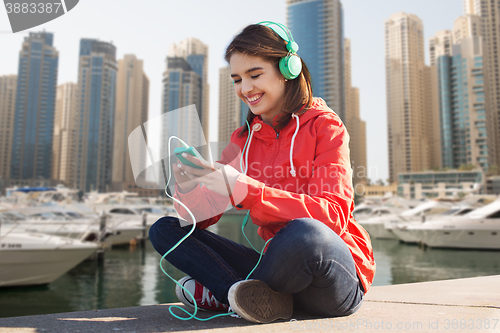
147,28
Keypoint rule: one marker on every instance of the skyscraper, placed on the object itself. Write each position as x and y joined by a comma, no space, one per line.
132,100
196,55
35,104
407,81
489,11
318,27
440,45
461,95
232,110
355,126
8,85
65,134
95,114
181,87
461,92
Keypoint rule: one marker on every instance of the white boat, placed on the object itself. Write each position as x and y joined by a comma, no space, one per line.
35,259
380,226
373,222
400,229
479,229
128,207
54,220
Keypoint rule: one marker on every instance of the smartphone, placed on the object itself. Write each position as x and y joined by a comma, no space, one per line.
192,151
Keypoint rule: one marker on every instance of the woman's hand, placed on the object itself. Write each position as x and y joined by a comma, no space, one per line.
212,175
184,183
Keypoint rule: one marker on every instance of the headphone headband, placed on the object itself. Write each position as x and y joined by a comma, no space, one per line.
291,45
291,65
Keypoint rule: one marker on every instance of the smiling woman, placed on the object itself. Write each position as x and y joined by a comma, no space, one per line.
259,84
318,258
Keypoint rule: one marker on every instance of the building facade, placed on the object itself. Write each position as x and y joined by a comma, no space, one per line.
355,126
318,27
232,110
8,86
181,88
409,98
196,55
489,11
65,134
95,106
440,184
35,104
462,105
132,106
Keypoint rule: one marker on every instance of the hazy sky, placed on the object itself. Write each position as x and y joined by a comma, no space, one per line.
146,28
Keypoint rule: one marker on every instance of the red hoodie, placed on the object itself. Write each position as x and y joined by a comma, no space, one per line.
321,189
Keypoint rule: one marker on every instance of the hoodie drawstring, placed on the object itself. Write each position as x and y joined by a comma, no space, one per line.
247,149
292,170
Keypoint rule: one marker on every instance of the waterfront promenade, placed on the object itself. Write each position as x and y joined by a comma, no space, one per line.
461,305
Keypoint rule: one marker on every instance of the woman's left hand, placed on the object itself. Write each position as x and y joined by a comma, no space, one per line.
211,174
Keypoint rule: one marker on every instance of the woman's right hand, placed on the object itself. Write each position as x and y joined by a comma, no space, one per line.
183,181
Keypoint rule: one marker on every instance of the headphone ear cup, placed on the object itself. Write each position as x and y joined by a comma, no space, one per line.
290,66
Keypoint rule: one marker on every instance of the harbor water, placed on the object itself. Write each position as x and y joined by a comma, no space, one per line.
131,276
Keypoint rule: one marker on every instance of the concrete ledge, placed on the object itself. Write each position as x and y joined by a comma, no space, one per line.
462,305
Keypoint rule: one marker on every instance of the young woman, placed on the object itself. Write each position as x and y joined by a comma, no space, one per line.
296,182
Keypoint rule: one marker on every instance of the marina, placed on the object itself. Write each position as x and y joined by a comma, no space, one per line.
130,276
58,254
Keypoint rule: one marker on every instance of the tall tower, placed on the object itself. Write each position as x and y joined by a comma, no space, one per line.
461,95
355,126
196,55
8,85
232,110
440,45
64,152
132,100
95,113
35,104
489,11
318,27
181,87
407,81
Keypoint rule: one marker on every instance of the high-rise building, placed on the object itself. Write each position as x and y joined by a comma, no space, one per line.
489,11
440,45
355,126
65,134
35,103
462,105
232,110
318,27
95,114
407,81
196,55
466,26
132,100
8,85
181,87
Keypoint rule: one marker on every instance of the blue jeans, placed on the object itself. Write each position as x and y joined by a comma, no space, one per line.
305,258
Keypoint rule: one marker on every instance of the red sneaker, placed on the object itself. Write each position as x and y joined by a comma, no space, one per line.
204,298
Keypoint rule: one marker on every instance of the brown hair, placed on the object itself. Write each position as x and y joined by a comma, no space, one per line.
261,41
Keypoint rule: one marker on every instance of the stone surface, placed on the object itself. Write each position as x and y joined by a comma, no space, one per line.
463,305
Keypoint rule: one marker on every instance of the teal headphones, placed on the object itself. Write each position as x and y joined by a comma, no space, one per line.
290,66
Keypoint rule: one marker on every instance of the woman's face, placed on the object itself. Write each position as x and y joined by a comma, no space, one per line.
259,84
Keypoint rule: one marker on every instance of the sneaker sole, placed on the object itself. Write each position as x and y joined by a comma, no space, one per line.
255,301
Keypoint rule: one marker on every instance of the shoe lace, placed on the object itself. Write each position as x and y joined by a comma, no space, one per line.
207,296
234,315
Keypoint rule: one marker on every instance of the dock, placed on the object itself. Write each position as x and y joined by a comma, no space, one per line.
461,305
